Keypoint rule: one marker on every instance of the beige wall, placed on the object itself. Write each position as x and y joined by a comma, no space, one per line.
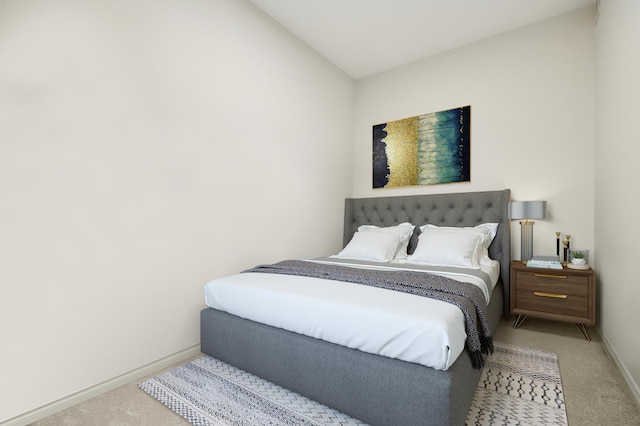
145,148
532,97
617,202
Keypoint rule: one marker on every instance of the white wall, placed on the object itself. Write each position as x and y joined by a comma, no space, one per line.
145,148
532,97
617,203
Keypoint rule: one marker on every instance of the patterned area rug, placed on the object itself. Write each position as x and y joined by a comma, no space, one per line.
207,391
518,386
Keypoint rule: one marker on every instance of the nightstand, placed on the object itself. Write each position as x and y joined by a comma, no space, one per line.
567,295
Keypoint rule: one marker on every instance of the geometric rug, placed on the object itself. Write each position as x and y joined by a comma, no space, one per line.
207,391
518,386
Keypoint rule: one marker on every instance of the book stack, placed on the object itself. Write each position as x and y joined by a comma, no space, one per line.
549,262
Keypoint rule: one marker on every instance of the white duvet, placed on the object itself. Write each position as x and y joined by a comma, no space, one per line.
388,323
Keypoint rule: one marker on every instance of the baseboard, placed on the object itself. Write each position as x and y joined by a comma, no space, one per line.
633,386
76,398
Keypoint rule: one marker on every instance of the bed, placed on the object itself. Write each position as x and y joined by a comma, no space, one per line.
376,389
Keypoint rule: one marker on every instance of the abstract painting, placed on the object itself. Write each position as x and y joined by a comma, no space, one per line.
427,149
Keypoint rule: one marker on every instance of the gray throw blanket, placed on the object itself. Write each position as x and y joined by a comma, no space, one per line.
468,297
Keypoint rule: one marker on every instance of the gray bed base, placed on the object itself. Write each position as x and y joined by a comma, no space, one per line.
375,389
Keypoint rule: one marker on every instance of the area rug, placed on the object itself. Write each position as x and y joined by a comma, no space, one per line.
518,386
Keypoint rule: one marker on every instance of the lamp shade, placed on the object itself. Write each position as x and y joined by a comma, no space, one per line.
527,209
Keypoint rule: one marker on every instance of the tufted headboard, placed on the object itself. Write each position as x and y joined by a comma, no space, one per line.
457,209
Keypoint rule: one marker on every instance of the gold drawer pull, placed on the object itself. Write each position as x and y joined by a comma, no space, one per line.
554,295
550,276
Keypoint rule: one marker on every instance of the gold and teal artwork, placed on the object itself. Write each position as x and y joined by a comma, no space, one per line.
427,149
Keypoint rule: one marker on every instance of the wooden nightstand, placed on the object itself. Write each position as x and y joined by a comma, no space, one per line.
567,295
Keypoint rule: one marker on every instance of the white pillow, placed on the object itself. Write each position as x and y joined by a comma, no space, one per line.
404,229
487,231
372,245
447,249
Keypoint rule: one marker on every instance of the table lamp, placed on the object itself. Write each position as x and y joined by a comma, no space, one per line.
527,210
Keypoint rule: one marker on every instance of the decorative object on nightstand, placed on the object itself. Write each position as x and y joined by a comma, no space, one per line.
527,210
567,295
551,262
567,247
579,259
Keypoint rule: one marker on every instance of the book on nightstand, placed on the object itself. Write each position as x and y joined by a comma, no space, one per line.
549,262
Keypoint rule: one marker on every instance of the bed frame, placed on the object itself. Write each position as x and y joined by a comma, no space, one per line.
375,389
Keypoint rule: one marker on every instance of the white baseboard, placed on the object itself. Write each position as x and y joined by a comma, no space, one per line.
76,398
633,386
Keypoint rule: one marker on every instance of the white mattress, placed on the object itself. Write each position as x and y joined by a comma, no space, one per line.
388,323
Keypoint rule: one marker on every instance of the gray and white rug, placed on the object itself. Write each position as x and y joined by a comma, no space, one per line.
518,386
207,391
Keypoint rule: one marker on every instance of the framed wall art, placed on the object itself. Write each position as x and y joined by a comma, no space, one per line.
427,149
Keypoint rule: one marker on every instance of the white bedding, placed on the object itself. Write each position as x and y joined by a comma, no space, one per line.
388,323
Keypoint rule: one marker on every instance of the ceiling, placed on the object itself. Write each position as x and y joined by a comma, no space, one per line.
366,37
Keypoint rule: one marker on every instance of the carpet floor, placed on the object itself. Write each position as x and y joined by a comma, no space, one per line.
518,386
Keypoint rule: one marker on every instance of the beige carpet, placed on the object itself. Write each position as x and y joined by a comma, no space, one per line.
595,393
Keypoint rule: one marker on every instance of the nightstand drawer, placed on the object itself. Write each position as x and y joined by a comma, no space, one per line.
553,302
553,292
553,283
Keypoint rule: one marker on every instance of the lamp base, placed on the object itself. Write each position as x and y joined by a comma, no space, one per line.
526,240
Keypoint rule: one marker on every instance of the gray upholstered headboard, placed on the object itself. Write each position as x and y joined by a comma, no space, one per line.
457,209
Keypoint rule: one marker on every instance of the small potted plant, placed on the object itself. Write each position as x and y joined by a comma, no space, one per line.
578,258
